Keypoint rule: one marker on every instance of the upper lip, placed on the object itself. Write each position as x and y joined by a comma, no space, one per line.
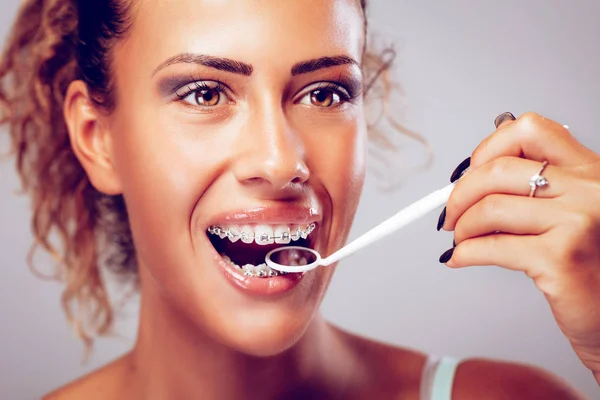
280,214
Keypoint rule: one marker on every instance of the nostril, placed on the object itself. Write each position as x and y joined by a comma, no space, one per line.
302,173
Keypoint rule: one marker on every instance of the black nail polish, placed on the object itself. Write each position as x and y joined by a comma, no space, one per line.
460,170
441,219
503,117
453,243
444,258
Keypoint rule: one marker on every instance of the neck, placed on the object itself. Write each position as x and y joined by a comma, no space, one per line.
175,359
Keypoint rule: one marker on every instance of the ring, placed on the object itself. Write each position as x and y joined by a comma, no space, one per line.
538,180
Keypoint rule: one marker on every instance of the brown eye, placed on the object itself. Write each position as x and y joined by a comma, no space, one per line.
207,97
206,94
324,98
325,95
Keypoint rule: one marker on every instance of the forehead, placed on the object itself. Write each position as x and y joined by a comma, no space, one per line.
259,32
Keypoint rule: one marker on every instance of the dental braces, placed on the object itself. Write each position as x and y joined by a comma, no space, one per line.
297,234
256,271
261,273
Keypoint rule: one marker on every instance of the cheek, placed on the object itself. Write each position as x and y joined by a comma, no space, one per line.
345,177
164,168
337,154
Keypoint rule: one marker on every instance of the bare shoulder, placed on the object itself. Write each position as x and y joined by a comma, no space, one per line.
497,380
397,372
107,382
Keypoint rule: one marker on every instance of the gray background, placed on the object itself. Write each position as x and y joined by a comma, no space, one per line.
461,63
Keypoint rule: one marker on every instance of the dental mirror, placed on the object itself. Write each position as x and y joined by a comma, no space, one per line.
296,259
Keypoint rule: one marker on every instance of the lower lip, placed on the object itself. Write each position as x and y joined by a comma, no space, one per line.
264,287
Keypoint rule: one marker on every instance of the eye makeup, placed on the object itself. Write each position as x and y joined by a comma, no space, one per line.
352,83
174,86
348,86
347,90
197,86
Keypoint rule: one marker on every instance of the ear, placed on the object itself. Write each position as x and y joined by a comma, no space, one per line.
90,139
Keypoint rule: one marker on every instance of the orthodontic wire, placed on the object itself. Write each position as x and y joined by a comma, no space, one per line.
216,230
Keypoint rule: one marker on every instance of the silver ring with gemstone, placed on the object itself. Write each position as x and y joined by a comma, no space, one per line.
537,180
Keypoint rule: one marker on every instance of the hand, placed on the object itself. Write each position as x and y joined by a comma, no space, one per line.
554,237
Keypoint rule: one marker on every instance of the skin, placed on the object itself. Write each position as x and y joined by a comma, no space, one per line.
177,164
553,237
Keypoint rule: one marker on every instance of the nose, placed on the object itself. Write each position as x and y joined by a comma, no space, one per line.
271,155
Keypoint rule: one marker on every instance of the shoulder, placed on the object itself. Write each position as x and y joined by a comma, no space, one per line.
107,382
396,372
498,380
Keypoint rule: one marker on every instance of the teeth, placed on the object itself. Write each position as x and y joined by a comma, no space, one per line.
264,270
216,230
260,271
233,233
247,234
248,269
263,235
282,234
295,232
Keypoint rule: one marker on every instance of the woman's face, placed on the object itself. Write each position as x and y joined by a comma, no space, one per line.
248,116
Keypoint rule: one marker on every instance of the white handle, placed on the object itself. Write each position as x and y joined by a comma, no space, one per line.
392,224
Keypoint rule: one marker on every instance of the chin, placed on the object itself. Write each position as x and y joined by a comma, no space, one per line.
264,326
251,326
267,337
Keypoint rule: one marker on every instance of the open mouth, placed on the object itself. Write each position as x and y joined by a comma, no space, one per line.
245,247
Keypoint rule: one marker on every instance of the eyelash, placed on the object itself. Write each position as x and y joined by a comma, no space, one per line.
345,94
198,86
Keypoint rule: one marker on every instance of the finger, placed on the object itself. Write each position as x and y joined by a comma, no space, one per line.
534,137
507,214
504,175
504,119
517,253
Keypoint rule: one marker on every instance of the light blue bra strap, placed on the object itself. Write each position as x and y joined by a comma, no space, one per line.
443,379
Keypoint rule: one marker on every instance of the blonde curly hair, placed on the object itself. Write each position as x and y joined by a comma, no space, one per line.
52,43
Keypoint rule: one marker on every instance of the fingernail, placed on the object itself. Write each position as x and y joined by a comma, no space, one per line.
460,170
441,219
503,117
444,258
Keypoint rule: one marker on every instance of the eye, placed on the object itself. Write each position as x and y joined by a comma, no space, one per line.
203,94
205,97
324,98
325,95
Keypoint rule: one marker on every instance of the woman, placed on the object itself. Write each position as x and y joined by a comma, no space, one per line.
179,141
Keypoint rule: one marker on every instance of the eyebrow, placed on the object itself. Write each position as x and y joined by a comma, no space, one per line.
240,68
222,64
306,67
